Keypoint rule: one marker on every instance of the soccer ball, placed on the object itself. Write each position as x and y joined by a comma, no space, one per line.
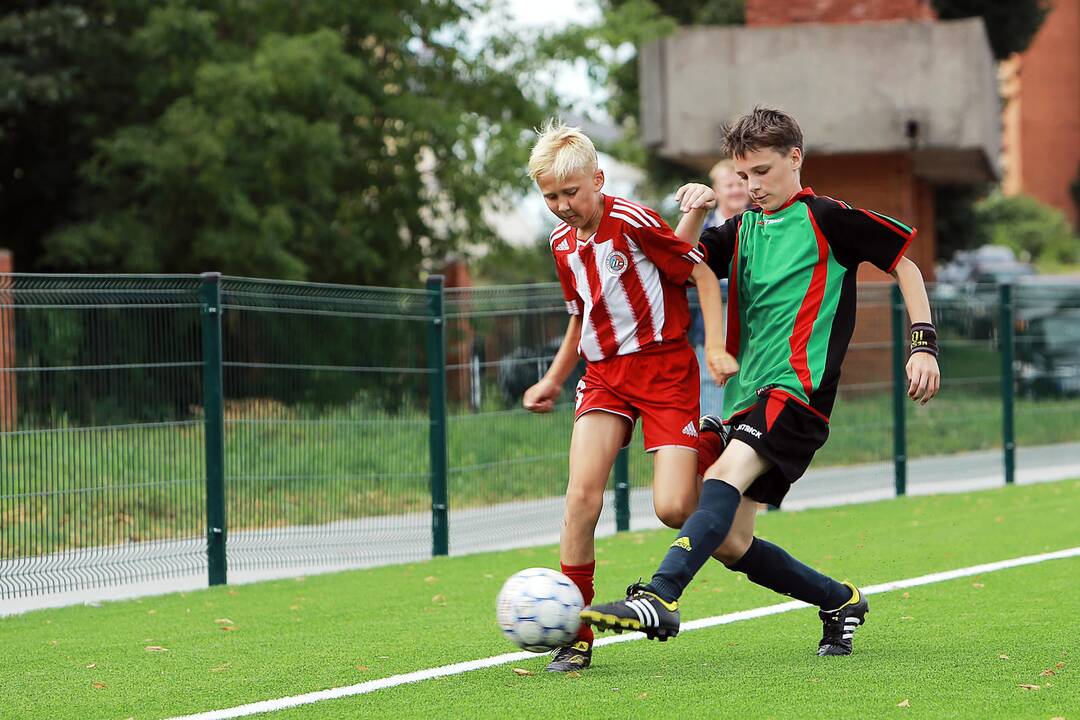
538,609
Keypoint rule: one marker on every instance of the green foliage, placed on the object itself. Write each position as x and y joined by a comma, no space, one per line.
1027,226
320,140
511,265
1074,190
1010,25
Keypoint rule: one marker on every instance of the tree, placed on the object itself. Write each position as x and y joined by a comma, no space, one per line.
1011,26
317,140
58,65
1028,226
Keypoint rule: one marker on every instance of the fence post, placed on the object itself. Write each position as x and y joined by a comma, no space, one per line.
214,421
1007,384
436,352
622,491
899,383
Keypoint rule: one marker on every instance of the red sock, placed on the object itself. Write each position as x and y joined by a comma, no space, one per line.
582,576
709,448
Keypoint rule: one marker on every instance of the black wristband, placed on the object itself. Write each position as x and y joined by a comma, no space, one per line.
923,338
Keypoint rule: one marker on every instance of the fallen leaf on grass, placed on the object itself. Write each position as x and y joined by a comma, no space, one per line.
977,586
904,703
224,621
362,668
91,666
294,607
156,648
1047,673
1028,686
151,612
906,595
643,696
431,579
522,672
228,628
98,685
438,598
220,668
1003,657
906,617
1060,665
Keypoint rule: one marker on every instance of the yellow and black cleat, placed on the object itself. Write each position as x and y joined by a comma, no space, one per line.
839,625
641,611
573,657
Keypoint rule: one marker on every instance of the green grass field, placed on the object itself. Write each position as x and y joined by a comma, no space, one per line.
959,649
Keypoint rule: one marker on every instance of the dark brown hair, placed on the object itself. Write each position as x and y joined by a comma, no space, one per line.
761,128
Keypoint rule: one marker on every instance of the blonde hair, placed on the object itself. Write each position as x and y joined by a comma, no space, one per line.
561,151
725,165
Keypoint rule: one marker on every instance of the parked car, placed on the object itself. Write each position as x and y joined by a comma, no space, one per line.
519,370
1048,353
966,294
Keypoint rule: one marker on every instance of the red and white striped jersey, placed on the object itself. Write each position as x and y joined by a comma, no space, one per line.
628,281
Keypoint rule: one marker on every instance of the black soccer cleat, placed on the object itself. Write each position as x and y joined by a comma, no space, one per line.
713,424
840,624
573,657
642,610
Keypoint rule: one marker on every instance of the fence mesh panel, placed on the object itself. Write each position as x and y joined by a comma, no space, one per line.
327,420
102,477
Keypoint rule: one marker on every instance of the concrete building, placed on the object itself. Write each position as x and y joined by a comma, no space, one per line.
1042,112
891,101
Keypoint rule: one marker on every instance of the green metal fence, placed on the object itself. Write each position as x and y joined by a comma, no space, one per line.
228,428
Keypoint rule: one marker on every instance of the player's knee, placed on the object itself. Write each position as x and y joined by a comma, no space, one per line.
583,505
734,547
673,512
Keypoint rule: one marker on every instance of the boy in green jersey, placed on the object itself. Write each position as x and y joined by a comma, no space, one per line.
791,262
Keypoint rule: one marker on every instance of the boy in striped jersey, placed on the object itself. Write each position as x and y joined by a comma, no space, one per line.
624,274
791,262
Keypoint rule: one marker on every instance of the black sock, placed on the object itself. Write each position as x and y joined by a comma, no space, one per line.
701,534
772,567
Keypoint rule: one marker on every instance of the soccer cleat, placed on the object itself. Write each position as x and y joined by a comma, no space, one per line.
713,424
641,610
573,657
840,624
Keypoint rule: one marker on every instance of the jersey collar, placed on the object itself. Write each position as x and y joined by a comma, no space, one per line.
805,192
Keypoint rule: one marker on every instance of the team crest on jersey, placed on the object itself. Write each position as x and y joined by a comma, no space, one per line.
617,263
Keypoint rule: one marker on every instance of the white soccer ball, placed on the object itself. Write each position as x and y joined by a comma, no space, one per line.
539,609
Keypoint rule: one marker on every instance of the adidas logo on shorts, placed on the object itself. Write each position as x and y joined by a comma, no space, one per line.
690,430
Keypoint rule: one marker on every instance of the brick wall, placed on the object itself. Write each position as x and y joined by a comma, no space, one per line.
1042,119
7,347
784,12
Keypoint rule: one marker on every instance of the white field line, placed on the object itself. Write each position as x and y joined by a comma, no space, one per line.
363,688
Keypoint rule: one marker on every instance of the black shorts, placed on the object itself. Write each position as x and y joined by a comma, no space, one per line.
785,431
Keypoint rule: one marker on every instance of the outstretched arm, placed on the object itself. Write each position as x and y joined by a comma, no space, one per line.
721,365
924,376
541,397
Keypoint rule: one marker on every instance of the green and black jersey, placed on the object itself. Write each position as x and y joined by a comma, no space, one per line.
791,293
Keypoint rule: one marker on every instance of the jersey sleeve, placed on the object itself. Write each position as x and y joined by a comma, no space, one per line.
674,258
569,289
858,235
718,242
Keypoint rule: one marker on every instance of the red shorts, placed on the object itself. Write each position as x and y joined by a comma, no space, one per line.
661,386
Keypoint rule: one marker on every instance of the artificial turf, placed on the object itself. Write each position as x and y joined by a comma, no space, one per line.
937,648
